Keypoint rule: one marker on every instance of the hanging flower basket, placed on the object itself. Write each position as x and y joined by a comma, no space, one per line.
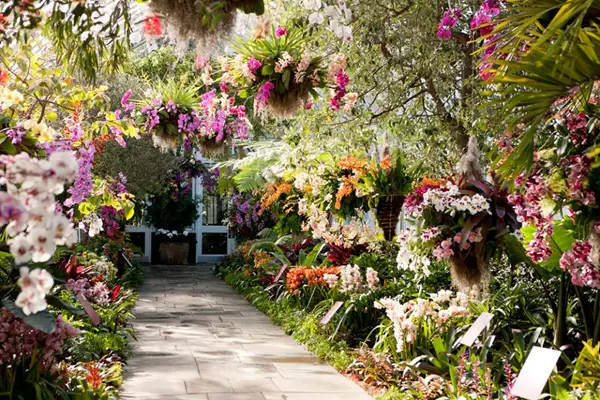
469,270
199,19
214,149
175,116
285,105
278,69
387,212
174,253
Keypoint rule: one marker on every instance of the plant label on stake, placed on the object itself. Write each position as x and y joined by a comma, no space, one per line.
482,322
88,309
535,373
331,312
281,271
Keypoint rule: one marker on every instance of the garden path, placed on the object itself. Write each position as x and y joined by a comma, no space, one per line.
199,340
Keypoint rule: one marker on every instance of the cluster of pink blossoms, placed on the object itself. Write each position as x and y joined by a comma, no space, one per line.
448,22
341,79
577,124
529,211
95,291
253,65
338,76
577,262
217,118
20,341
351,278
481,21
579,167
281,31
445,251
263,94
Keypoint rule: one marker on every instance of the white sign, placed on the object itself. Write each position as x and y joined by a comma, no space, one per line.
535,373
482,322
331,312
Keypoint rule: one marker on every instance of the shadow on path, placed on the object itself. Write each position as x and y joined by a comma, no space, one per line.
199,340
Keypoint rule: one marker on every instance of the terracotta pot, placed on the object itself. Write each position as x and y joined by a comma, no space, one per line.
174,253
387,214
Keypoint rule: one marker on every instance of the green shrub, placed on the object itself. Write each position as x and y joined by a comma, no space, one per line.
92,346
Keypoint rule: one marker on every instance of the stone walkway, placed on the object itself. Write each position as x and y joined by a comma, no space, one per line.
199,340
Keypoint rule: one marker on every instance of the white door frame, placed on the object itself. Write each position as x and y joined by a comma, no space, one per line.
200,228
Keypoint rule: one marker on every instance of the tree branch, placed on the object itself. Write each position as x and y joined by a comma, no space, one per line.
460,132
390,109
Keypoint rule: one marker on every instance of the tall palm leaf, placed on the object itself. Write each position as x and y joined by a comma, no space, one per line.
561,61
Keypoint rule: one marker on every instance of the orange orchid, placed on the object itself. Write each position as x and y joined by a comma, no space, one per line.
274,192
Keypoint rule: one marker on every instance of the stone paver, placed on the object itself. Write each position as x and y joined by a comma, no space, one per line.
199,340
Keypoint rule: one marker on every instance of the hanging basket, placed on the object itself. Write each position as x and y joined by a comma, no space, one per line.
387,213
286,105
470,273
174,253
202,20
211,148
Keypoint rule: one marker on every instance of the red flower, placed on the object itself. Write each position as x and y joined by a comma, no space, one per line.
3,76
98,278
152,26
93,376
115,292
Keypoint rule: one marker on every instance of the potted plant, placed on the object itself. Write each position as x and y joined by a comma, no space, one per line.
161,113
174,247
387,183
172,213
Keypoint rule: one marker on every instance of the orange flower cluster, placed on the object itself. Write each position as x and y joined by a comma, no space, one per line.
307,276
245,251
385,164
352,163
425,181
345,189
262,260
274,192
93,376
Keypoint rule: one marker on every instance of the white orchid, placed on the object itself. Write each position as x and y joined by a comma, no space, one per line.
312,4
35,285
20,248
28,207
316,18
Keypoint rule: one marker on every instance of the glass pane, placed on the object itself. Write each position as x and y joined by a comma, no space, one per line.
214,243
214,209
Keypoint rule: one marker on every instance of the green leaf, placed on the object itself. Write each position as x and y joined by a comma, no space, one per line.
9,148
267,70
107,199
43,320
286,78
51,116
85,208
60,304
129,210
562,240
243,93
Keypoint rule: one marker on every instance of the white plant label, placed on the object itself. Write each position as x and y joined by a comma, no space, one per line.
535,373
331,312
482,322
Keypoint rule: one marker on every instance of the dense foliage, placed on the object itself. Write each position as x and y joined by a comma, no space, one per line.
420,163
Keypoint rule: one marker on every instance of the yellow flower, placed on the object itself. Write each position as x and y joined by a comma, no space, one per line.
9,98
